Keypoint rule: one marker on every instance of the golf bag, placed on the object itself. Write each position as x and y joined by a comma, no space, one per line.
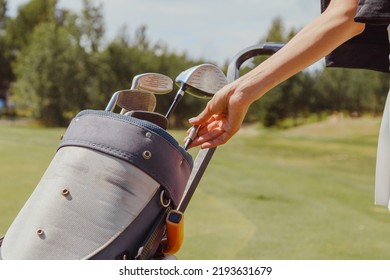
111,187
111,180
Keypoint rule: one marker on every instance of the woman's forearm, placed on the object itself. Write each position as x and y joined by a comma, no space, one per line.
225,112
316,40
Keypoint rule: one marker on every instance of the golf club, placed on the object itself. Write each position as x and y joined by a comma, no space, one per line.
152,83
201,81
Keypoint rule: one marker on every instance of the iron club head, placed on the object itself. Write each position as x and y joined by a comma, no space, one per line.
152,82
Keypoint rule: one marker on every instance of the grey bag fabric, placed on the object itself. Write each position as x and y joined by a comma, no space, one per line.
101,193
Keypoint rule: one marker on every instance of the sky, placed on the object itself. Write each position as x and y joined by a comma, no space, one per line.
213,30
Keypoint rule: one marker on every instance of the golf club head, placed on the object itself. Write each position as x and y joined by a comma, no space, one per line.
202,80
152,117
153,82
130,100
136,100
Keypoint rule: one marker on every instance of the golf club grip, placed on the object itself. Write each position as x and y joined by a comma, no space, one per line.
250,52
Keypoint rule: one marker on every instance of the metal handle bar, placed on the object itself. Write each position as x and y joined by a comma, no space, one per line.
248,53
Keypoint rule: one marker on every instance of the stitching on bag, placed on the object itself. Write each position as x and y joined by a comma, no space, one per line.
113,151
106,115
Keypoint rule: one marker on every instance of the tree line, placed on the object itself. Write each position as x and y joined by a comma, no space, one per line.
54,64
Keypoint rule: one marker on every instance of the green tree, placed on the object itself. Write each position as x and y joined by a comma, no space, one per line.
6,74
30,15
3,15
91,26
291,99
15,34
50,75
353,91
58,61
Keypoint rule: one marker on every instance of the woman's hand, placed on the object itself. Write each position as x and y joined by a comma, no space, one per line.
221,118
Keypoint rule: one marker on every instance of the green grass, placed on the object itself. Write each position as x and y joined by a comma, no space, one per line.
302,193
25,154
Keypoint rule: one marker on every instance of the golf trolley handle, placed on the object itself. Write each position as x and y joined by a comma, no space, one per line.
204,155
248,53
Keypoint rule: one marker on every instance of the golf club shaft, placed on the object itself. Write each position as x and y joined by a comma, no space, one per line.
176,101
112,103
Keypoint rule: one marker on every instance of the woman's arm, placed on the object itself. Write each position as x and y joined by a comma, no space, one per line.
225,112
